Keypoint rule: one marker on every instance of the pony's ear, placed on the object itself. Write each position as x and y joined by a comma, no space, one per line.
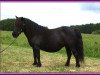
16,17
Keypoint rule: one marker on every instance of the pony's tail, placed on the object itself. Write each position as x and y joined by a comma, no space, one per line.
79,46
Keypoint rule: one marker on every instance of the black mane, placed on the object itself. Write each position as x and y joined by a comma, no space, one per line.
36,27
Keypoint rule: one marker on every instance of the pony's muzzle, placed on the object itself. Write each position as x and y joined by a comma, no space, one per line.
15,35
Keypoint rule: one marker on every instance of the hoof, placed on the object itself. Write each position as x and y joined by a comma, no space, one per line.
77,66
38,65
67,64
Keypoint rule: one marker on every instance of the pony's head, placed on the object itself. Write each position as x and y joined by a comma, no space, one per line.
18,27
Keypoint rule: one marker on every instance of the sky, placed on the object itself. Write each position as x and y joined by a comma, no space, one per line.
53,14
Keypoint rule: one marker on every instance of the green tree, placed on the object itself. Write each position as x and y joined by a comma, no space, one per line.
7,24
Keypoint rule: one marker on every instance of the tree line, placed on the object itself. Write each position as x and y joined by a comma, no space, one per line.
8,25
88,28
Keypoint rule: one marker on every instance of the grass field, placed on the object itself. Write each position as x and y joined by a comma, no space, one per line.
19,58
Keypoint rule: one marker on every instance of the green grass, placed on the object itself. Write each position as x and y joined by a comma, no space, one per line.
20,59
19,56
91,45
7,39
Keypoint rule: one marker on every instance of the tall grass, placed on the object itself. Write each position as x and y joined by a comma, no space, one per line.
19,58
91,43
7,39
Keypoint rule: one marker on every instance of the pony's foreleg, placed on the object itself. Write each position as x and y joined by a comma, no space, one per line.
34,55
69,54
37,61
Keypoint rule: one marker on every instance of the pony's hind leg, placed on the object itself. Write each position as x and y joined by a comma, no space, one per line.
69,54
76,56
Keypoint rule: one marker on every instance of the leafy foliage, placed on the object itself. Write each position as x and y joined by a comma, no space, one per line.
96,32
7,24
88,28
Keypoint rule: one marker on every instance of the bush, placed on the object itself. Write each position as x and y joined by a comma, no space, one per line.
7,24
96,32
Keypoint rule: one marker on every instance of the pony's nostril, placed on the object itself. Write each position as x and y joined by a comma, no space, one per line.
14,35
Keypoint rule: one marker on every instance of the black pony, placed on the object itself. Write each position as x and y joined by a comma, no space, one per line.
50,40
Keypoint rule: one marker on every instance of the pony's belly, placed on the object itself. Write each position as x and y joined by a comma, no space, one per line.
51,49
52,45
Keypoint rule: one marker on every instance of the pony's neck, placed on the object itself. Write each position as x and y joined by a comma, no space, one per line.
29,29
28,34
32,29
